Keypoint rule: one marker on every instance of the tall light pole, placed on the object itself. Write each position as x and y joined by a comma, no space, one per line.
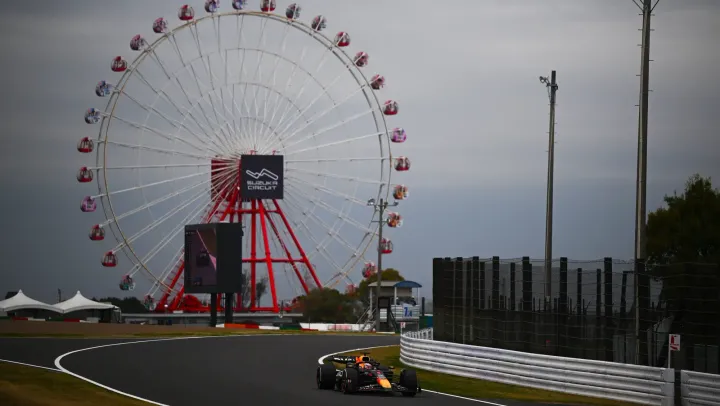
380,207
647,8
552,87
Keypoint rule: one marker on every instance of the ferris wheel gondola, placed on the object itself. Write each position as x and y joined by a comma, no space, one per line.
199,96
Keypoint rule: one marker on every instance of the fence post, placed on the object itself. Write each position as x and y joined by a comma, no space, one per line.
512,287
562,311
609,325
449,293
438,293
475,296
598,312
527,306
467,302
459,295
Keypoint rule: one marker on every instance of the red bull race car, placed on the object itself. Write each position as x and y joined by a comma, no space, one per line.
363,374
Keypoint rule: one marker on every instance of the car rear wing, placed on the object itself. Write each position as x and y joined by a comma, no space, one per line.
343,359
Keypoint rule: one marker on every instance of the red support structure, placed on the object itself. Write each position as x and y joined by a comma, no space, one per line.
226,189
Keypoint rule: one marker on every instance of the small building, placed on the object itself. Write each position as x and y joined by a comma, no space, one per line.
404,303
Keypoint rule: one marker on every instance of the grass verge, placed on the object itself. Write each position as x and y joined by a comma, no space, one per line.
474,388
28,386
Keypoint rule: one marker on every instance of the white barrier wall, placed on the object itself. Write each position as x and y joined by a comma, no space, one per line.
699,389
600,379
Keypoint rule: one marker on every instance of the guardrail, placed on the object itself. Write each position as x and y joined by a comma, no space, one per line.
424,334
699,389
600,379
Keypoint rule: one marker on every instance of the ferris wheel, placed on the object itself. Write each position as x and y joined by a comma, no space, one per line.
241,81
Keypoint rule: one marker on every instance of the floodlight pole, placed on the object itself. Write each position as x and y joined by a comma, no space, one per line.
380,206
552,87
647,8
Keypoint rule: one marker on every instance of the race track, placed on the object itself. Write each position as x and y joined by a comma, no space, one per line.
266,369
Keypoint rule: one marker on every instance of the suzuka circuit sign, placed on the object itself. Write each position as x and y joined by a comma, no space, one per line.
261,176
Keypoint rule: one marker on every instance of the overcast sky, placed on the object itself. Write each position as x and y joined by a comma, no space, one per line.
466,75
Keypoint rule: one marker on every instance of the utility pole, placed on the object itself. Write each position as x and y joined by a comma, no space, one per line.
647,8
380,206
552,87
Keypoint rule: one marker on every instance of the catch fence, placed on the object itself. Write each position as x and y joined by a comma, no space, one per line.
501,303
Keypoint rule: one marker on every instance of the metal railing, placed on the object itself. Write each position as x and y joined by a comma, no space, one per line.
599,379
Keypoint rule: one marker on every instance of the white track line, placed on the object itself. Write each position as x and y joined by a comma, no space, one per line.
320,361
30,365
62,369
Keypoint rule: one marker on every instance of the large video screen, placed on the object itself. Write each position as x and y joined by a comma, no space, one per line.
213,258
201,260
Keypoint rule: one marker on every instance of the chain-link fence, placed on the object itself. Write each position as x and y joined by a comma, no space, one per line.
592,314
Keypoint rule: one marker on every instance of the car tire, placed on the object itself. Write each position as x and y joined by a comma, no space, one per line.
325,376
408,379
349,383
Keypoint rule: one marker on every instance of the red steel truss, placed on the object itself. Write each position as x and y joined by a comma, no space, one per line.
264,216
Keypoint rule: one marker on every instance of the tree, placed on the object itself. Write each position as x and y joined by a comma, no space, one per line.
684,253
688,229
327,305
388,274
128,304
261,287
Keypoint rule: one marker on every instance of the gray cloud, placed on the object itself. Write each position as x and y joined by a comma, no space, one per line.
466,79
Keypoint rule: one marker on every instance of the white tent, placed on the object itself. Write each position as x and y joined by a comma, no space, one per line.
22,302
80,302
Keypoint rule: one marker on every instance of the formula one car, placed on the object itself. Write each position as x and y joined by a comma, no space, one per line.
364,374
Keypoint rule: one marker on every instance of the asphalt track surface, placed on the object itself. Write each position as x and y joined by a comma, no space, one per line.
264,369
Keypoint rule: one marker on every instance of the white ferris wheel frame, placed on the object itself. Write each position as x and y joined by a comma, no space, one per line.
371,97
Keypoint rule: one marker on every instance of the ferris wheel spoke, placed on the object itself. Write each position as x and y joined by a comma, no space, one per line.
158,133
324,91
294,70
320,247
161,199
307,78
334,176
334,231
331,192
149,166
202,109
174,79
287,83
159,221
154,149
208,69
116,192
151,109
264,133
171,101
331,144
195,212
336,160
328,128
167,272
335,212
261,41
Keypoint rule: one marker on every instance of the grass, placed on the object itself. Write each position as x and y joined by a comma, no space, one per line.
28,386
474,388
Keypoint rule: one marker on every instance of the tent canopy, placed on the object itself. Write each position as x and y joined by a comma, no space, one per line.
80,302
22,302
